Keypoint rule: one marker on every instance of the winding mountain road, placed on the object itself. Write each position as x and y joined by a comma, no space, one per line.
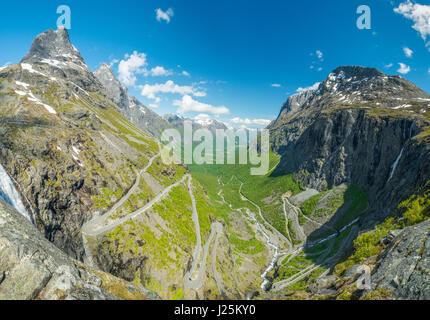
191,279
100,225
91,227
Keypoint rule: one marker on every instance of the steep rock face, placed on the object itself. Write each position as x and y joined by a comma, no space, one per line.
295,102
33,268
350,131
53,54
133,109
64,143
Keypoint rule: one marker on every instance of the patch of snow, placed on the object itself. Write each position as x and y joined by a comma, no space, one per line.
403,106
76,150
51,62
31,97
332,77
28,67
59,149
47,107
22,84
21,93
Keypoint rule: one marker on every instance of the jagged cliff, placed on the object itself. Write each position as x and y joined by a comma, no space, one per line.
369,131
131,108
352,129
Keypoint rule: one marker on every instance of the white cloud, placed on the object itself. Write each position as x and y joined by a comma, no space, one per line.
276,85
113,62
188,104
161,15
388,66
312,87
320,69
199,94
185,73
428,71
419,14
160,72
319,54
154,106
404,69
262,122
149,91
311,67
408,52
130,66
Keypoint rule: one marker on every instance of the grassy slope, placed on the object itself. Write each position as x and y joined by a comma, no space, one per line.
265,191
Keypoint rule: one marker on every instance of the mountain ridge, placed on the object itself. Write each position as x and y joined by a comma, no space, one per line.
131,107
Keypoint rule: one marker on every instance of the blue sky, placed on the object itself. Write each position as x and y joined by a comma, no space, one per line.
232,50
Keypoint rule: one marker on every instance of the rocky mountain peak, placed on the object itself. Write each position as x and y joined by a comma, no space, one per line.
53,46
357,72
116,90
357,86
105,69
130,106
353,85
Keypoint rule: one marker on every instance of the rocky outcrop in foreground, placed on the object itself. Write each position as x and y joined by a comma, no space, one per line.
404,267
33,268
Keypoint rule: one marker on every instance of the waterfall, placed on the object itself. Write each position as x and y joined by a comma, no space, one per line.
396,163
9,194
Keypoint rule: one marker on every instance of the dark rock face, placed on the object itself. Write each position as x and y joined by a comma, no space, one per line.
61,159
123,265
365,128
404,267
33,268
359,144
133,109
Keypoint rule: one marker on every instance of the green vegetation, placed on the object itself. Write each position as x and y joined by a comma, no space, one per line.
296,265
166,175
265,191
309,205
357,203
107,199
251,246
366,245
416,209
